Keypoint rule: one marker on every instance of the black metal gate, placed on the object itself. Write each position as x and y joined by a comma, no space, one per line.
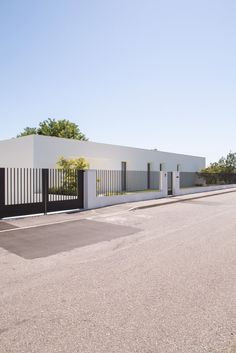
64,189
26,191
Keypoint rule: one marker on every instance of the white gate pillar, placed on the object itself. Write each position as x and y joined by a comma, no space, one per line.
176,183
164,184
90,189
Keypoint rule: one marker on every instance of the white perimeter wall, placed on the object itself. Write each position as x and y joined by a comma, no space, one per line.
44,151
17,152
91,200
177,191
47,150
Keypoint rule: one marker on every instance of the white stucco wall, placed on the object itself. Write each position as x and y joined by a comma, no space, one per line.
17,152
44,151
47,150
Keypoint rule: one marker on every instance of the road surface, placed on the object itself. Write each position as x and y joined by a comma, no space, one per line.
157,280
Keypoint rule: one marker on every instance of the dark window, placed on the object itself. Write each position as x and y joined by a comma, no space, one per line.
149,176
123,175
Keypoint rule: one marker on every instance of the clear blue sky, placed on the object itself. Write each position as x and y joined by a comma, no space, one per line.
153,74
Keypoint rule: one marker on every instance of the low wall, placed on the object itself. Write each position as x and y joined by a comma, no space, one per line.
194,190
101,201
91,200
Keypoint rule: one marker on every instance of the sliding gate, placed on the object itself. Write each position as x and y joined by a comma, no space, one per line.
26,191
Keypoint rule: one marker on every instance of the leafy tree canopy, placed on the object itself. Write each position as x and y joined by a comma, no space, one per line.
28,131
224,165
58,128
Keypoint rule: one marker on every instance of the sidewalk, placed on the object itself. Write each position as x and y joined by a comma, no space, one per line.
70,216
182,198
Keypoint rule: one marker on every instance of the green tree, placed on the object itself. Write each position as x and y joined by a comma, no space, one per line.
28,131
72,163
230,163
67,171
58,128
224,165
221,172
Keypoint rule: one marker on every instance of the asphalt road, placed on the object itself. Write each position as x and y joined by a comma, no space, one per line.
158,280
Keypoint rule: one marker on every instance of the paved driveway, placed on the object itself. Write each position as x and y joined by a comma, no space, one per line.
158,280
49,240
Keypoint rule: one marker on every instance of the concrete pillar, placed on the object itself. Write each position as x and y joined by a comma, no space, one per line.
176,183
90,189
164,183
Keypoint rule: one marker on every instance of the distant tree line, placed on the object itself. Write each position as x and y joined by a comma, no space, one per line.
226,165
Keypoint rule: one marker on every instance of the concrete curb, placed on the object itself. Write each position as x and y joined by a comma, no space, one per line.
172,201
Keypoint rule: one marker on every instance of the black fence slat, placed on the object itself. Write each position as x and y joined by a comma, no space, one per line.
116,182
2,188
7,175
11,193
30,188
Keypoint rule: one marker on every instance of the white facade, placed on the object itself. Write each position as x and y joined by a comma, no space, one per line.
43,152
17,152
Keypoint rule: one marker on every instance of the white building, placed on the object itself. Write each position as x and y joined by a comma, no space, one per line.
43,152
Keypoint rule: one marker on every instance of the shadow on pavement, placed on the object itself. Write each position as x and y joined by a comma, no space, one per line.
49,240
